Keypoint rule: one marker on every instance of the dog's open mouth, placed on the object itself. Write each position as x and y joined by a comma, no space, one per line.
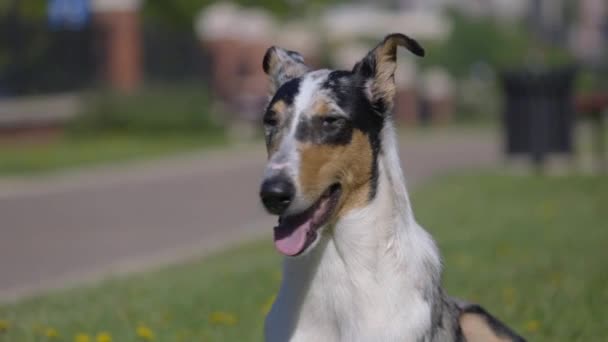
295,233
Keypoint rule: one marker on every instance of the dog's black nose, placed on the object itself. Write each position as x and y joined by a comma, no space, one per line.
277,193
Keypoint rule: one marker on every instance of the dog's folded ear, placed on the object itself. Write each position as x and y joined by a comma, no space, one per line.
282,65
377,70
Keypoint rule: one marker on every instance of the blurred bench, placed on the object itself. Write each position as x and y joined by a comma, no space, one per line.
37,117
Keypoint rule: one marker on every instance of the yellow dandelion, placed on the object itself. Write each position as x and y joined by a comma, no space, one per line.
4,325
82,338
103,337
532,326
268,305
144,332
51,333
222,318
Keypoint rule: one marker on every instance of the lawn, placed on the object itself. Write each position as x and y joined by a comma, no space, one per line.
532,250
78,151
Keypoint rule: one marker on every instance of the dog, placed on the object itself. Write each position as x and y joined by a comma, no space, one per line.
357,265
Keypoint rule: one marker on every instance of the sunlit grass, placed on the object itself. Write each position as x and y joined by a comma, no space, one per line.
531,250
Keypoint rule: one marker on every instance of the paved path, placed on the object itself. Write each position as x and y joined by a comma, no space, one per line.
83,225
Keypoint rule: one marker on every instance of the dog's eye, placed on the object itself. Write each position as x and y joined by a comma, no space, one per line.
270,121
333,121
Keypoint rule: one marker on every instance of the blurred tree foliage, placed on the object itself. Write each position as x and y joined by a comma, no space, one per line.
487,41
12,45
27,9
180,14
145,112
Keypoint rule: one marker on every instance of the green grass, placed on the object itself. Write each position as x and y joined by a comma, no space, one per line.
77,151
531,250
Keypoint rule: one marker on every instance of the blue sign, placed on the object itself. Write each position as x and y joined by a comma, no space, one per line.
68,14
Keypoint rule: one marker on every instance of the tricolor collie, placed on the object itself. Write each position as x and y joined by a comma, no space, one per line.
358,267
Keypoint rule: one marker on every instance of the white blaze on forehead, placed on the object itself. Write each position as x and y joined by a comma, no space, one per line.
309,88
286,159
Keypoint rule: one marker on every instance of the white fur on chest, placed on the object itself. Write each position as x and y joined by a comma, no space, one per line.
344,304
365,282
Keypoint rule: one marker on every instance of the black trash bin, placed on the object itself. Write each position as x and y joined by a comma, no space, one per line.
538,116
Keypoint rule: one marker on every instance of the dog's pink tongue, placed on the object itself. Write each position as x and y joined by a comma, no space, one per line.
291,240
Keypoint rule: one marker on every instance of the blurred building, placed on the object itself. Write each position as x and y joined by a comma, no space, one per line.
345,23
511,9
236,39
353,30
111,42
118,25
589,36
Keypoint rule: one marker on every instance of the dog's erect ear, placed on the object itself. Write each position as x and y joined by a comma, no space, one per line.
377,70
282,65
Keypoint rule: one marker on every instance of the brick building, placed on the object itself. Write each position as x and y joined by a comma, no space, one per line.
118,22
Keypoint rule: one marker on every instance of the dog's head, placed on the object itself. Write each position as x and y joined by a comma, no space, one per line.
322,131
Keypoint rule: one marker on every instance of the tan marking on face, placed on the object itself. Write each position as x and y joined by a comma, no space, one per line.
321,107
279,107
476,329
351,165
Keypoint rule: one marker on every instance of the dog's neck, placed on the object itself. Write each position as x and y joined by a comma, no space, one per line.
372,273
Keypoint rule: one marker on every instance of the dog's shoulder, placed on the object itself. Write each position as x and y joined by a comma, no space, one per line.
477,325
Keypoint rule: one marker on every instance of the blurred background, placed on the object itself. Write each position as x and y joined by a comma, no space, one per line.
130,139
84,66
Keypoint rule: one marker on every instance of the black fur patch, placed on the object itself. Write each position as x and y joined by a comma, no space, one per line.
266,60
366,68
347,90
287,92
319,131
